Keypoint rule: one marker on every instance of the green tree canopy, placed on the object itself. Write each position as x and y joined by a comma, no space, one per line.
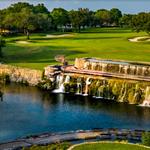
115,15
125,20
76,20
2,44
60,17
141,22
104,17
27,21
40,8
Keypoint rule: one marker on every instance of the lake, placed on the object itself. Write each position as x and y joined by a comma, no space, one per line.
27,110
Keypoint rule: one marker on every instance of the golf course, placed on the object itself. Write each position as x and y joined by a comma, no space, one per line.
107,43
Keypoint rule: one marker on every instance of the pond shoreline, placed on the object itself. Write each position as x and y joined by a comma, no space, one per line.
79,136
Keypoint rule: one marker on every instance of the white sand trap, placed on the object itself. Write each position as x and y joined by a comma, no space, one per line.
23,42
59,36
137,39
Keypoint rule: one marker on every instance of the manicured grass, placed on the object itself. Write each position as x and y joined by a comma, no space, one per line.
107,43
109,146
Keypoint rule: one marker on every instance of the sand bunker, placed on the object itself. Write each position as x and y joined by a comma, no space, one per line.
59,36
23,42
140,39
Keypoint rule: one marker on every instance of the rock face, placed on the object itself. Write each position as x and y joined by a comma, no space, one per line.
129,91
128,81
119,67
79,63
21,75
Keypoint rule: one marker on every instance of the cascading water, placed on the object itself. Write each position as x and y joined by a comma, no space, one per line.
143,70
86,86
122,93
67,79
100,93
60,85
104,67
146,102
79,87
132,92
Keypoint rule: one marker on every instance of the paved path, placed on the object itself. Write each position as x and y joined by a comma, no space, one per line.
48,139
97,134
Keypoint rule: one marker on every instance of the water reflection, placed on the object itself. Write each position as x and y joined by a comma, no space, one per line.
27,110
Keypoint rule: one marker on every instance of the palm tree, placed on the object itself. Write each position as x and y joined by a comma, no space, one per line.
2,44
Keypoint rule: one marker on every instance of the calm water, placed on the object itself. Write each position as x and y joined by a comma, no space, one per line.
27,110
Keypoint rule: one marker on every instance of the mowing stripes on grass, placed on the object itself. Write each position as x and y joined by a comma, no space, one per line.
107,43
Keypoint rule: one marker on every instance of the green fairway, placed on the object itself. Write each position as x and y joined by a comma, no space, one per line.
107,43
109,146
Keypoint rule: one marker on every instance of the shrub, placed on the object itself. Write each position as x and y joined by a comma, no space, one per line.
146,138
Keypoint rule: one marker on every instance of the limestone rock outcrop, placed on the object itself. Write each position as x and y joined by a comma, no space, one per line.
21,75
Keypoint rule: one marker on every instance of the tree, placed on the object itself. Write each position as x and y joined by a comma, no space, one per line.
76,19
116,14
60,17
17,7
44,21
146,139
147,27
103,16
2,16
125,20
2,44
27,21
10,21
40,8
84,16
140,22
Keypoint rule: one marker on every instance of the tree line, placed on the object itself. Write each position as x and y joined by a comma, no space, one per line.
25,17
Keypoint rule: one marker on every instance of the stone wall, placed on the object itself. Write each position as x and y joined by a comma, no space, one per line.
110,66
120,90
79,63
21,75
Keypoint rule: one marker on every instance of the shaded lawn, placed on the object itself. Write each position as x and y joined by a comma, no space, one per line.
103,43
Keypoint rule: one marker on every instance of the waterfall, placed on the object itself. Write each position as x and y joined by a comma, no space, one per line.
143,71
138,70
126,69
146,102
133,68
79,87
120,66
108,92
86,87
104,67
122,93
93,66
67,79
60,85
99,94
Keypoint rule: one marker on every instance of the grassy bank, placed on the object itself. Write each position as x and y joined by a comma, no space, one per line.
108,43
109,146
